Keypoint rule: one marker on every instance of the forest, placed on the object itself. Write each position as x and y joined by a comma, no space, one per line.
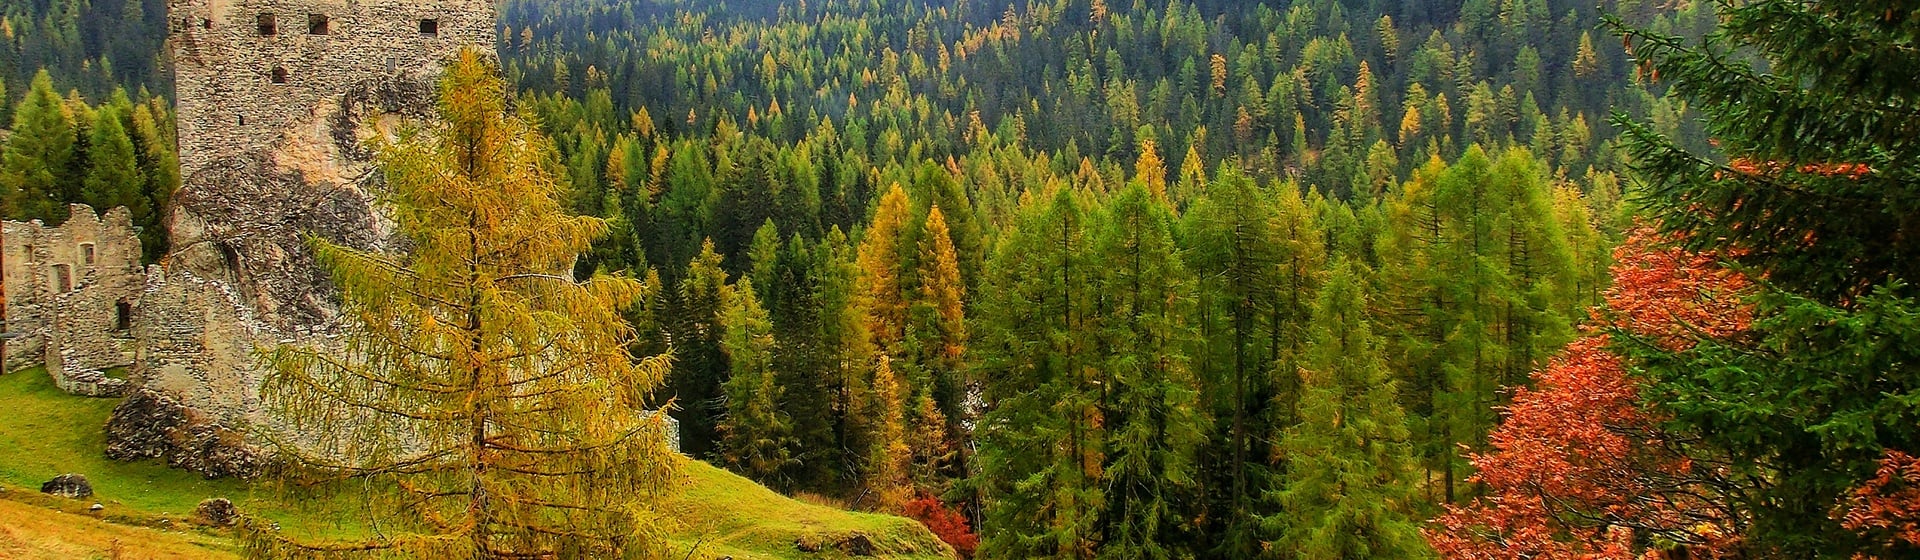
1207,279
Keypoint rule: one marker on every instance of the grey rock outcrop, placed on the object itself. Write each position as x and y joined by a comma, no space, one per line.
68,486
151,425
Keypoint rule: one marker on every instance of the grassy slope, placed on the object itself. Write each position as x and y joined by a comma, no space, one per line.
45,432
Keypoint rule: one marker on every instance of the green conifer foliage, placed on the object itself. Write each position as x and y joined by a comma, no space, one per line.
39,156
1349,491
756,436
1151,402
113,175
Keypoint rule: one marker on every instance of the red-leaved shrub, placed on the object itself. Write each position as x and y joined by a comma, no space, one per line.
945,523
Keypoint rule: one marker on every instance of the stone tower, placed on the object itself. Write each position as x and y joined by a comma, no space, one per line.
247,71
275,101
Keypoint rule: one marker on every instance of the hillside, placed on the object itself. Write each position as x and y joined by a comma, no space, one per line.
714,514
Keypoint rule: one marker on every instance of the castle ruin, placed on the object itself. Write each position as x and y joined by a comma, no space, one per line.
71,294
275,102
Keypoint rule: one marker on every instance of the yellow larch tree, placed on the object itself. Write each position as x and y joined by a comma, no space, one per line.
484,395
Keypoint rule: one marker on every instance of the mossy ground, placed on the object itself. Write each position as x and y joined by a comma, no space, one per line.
45,432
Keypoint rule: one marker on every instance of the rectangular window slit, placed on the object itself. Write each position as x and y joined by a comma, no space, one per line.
317,24
429,27
265,22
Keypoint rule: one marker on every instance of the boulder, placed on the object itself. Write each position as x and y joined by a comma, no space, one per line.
218,512
68,486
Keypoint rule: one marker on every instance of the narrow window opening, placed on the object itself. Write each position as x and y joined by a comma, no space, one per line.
243,120
29,251
279,77
86,253
317,24
63,277
266,25
429,27
206,24
122,316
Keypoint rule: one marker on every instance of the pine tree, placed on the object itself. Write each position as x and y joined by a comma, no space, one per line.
489,404
36,166
1349,490
755,435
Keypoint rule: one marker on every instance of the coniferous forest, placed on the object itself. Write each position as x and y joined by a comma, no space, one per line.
1319,279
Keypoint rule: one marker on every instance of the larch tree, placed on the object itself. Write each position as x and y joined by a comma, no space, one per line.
890,458
882,282
161,163
756,436
1152,402
938,323
1040,440
1232,241
37,163
1349,491
113,174
700,363
487,398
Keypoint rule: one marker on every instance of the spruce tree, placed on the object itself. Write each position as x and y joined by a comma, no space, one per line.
490,406
1349,491
1815,191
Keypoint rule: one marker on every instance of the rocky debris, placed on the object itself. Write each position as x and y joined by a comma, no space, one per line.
68,486
218,512
856,544
96,507
151,425
852,544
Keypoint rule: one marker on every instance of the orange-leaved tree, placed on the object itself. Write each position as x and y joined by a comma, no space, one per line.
1581,466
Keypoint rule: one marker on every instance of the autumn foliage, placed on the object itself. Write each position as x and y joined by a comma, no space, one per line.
1887,506
1580,467
944,522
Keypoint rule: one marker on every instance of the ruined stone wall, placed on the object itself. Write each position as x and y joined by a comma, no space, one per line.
240,90
273,127
71,291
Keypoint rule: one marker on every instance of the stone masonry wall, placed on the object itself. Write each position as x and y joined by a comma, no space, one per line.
273,127
225,68
71,291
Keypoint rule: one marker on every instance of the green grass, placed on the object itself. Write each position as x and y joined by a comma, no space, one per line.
712,514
